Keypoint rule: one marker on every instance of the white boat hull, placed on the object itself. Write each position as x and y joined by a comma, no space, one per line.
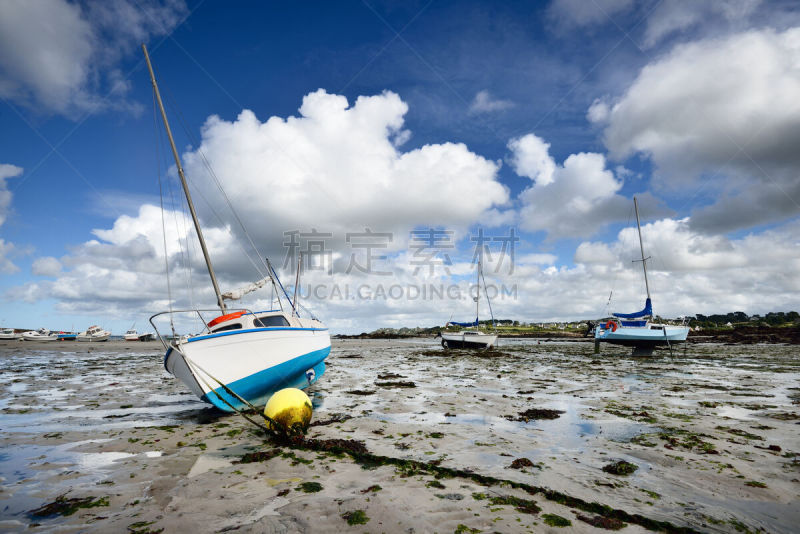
642,336
93,339
39,337
253,363
462,340
131,337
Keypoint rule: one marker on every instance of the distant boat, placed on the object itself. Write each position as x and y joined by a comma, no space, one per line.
241,354
94,334
637,329
470,339
131,335
148,336
42,334
8,333
67,336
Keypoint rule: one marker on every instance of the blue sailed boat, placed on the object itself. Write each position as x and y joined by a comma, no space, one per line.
471,339
637,329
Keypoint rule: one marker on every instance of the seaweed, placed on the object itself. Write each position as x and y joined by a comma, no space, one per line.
520,505
598,521
396,384
141,527
621,468
737,432
519,463
535,414
555,520
64,506
356,517
309,487
334,418
259,456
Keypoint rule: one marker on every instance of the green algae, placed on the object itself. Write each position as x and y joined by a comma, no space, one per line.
555,520
356,517
621,468
309,487
65,507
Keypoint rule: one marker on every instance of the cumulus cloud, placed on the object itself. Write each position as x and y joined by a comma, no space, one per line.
484,103
668,18
336,168
579,13
722,109
72,50
7,249
6,171
574,199
124,268
46,266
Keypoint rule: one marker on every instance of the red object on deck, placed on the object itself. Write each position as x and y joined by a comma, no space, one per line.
223,318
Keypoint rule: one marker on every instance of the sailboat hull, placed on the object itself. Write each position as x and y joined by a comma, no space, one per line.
468,341
642,336
252,363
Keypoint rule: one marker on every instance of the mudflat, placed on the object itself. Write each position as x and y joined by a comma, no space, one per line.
406,437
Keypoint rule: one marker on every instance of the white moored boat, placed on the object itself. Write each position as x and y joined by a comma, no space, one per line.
638,330
8,333
94,334
39,335
470,339
131,335
241,354
253,354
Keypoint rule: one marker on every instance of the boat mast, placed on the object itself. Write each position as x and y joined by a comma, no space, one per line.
220,302
641,247
478,293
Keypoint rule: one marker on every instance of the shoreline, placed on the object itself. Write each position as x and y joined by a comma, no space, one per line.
740,335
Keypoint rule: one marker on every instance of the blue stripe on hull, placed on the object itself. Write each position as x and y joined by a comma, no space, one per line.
258,387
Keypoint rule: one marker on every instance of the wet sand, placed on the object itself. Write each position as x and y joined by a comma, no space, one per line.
713,433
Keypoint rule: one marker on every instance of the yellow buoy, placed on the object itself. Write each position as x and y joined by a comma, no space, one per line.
290,409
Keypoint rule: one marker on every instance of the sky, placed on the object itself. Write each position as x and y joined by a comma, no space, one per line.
391,144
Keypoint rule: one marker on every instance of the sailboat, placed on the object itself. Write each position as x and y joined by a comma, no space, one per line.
470,339
241,356
637,329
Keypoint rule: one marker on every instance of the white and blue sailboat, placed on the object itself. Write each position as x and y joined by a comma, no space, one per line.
241,356
637,329
470,339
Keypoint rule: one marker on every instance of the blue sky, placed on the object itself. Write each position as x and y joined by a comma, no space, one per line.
543,117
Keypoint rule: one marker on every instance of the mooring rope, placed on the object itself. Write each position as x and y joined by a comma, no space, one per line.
228,390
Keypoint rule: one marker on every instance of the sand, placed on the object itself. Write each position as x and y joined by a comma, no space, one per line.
713,433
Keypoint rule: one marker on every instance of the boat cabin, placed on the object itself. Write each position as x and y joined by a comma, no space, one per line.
243,320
